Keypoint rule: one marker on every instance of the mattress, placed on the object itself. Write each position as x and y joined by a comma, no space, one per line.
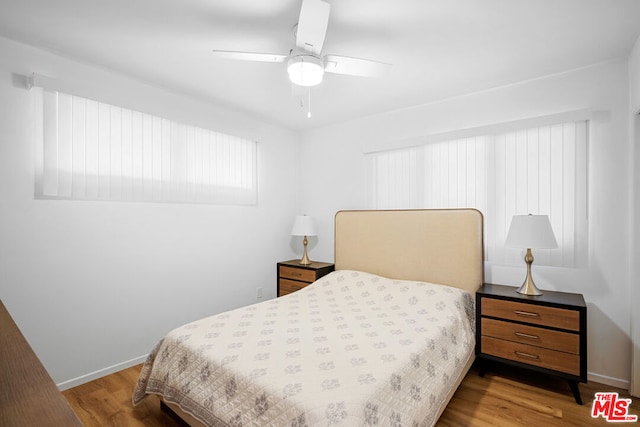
351,349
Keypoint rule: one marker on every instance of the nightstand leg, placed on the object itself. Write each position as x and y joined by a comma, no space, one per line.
576,391
482,367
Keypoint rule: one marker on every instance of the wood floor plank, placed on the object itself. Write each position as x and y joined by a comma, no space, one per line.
106,402
504,397
511,397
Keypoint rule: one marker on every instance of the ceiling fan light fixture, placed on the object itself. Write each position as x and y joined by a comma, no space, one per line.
305,70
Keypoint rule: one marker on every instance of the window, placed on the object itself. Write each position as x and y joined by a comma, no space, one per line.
538,170
95,151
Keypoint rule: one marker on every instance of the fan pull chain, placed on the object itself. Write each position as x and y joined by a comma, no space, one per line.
309,105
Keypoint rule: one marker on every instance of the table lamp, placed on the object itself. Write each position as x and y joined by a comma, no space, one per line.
303,226
531,232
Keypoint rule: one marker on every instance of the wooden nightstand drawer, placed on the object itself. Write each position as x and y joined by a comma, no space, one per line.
531,355
293,276
531,335
298,274
530,313
288,286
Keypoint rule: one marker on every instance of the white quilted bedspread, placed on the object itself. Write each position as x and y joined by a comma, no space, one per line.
352,349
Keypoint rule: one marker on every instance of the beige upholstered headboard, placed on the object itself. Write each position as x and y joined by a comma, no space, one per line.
443,246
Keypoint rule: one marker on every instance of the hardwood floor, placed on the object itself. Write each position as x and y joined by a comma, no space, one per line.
504,397
513,397
106,402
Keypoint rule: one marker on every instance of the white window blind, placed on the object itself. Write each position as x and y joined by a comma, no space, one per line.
538,170
96,151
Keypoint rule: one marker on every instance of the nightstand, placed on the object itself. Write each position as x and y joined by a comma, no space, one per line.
293,276
546,333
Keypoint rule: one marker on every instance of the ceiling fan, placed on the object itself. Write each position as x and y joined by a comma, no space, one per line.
305,63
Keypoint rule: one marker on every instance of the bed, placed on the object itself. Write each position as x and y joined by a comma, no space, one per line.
383,340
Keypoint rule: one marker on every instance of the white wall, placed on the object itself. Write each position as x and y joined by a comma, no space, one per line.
334,176
634,253
95,285
634,77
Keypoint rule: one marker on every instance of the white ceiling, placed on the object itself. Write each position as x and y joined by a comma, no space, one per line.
438,48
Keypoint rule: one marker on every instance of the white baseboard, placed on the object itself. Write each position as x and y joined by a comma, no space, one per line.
603,379
100,373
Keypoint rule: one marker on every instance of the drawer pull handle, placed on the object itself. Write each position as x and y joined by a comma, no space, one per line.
527,355
295,273
525,313
523,335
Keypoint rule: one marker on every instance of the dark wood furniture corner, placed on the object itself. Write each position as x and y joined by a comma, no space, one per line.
28,395
293,276
546,333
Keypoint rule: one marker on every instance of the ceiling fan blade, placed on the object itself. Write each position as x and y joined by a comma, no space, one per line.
249,56
354,66
312,25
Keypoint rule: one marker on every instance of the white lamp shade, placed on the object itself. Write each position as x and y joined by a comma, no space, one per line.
303,225
531,231
305,70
